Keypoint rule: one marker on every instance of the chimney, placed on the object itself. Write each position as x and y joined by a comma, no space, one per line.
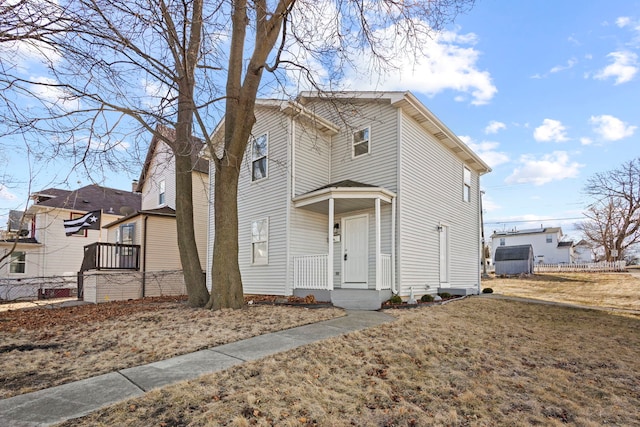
134,186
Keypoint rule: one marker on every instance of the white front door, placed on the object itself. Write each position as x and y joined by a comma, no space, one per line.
444,255
355,252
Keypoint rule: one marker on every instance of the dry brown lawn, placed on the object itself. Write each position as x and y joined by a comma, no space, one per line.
41,348
619,291
474,362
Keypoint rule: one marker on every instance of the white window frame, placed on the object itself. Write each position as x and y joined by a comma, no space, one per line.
162,196
503,241
260,239
466,184
15,261
259,157
366,140
549,238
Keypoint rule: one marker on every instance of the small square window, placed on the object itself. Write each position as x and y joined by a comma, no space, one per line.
259,151
502,242
260,242
361,143
466,195
17,265
549,238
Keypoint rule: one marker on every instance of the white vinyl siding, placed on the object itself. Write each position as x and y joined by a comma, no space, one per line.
266,198
312,156
161,170
429,195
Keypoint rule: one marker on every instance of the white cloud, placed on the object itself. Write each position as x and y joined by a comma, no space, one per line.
5,194
586,141
550,130
494,127
539,171
611,128
487,150
48,91
449,63
623,21
570,64
489,205
623,68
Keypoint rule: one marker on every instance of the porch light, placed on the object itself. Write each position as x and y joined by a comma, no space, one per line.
336,229
439,228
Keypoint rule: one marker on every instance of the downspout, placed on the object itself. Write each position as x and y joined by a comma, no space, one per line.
482,257
144,255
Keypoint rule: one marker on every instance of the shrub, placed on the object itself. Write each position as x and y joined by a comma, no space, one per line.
426,298
487,291
395,299
445,295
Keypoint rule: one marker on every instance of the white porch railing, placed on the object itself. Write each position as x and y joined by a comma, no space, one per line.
594,267
385,271
310,272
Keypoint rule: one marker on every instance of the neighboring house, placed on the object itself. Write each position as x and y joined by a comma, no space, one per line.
153,226
512,260
43,250
548,246
355,196
583,252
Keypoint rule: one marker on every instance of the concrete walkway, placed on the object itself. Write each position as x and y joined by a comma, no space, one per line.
73,400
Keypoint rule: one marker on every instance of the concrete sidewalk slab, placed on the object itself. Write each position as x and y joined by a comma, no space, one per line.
179,368
73,400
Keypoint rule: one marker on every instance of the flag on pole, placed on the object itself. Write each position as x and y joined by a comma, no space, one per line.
88,221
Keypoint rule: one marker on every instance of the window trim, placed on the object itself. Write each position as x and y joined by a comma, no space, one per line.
549,238
13,261
264,157
255,240
466,184
353,142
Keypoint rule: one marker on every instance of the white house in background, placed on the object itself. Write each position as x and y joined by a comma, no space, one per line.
583,252
45,251
548,246
355,195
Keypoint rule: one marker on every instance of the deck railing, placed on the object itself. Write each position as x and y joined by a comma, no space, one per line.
310,272
111,256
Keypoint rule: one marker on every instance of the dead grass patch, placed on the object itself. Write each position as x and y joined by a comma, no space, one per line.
604,290
43,348
478,361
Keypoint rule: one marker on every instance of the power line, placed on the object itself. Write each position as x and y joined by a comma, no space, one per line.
533,220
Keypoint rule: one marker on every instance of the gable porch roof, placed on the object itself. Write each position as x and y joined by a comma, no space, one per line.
348,196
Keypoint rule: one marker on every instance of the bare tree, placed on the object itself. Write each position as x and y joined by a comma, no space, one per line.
614,216
277,34
194,57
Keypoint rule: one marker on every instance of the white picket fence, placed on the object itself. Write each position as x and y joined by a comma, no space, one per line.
593,267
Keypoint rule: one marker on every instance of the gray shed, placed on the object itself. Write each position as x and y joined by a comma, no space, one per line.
514,259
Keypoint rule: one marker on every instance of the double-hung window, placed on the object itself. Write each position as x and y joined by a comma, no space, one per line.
466,190
259,151
161,192
361,143
18,262
260,242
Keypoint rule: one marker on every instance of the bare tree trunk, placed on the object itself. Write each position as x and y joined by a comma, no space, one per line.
226,289
192,269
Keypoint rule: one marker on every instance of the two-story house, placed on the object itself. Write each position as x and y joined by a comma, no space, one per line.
43,252
153,228
354,196
547,242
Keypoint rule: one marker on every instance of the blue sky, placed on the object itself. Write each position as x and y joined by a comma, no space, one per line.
546,92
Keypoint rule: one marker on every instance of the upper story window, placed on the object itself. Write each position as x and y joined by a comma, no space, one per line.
259,151
260,242
549,238
502,241
361,142
466,191
18,262
161,192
